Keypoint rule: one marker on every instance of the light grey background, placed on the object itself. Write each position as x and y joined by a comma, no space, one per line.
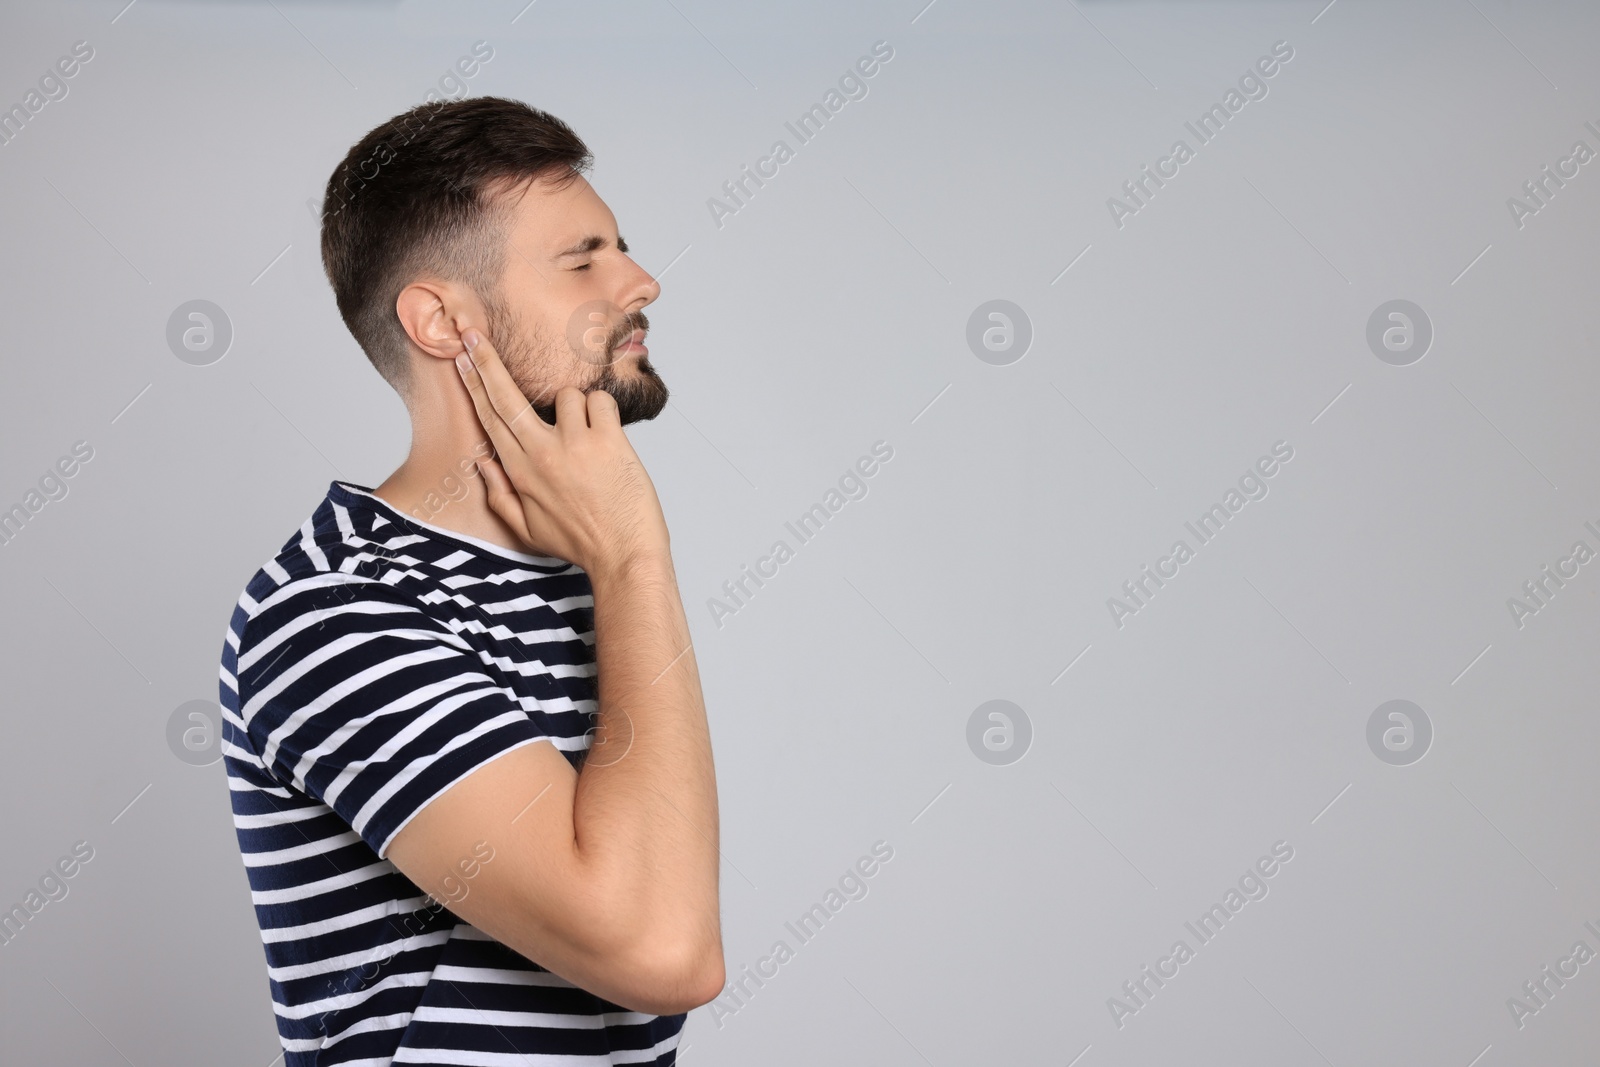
1228,314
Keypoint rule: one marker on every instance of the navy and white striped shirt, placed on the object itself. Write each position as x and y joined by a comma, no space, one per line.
371,664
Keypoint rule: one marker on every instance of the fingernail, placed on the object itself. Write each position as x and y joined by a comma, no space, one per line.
470,338
462,363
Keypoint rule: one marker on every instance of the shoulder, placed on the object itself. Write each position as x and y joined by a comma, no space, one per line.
336,575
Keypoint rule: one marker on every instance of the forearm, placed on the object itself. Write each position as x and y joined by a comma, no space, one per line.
645,807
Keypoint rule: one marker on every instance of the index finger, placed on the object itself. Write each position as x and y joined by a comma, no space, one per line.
500,404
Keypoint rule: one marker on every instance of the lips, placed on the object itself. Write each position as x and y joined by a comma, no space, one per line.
634,344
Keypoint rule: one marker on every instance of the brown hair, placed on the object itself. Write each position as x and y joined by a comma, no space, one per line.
418,195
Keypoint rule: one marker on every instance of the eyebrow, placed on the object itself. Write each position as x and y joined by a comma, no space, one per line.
591,243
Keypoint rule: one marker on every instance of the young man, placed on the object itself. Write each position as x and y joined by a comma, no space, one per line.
464,733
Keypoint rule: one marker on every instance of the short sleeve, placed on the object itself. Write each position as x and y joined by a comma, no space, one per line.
353,694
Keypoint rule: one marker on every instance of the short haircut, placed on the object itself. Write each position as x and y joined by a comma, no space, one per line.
418,196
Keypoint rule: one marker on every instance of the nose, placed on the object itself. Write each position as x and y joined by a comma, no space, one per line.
639,288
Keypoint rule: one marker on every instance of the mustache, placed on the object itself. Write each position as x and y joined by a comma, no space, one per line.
631,320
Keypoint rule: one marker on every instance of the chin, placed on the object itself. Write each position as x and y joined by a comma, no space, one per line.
640,393
639,397
640,406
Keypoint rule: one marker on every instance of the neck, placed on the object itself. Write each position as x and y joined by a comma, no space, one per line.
439,482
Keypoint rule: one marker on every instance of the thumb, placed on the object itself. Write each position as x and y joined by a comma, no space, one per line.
503,498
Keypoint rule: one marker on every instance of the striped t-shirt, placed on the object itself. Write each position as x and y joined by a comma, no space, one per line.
371,664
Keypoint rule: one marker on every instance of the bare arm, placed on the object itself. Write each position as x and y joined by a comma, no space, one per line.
607,877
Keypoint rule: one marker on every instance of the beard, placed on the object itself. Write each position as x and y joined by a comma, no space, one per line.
534,359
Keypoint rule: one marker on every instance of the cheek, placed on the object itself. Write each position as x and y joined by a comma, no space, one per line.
599,378
531,357
540,371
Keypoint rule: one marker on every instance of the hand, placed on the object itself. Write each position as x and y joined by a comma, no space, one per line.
574,490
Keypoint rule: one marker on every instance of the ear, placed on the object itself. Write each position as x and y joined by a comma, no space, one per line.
434,313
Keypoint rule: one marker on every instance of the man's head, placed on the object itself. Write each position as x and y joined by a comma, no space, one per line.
476,213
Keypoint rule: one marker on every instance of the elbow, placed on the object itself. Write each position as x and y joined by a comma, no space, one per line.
675,978
650,959
703,981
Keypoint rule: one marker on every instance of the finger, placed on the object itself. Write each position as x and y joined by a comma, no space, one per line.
503,438
603,413
501,390
503,498
572,413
